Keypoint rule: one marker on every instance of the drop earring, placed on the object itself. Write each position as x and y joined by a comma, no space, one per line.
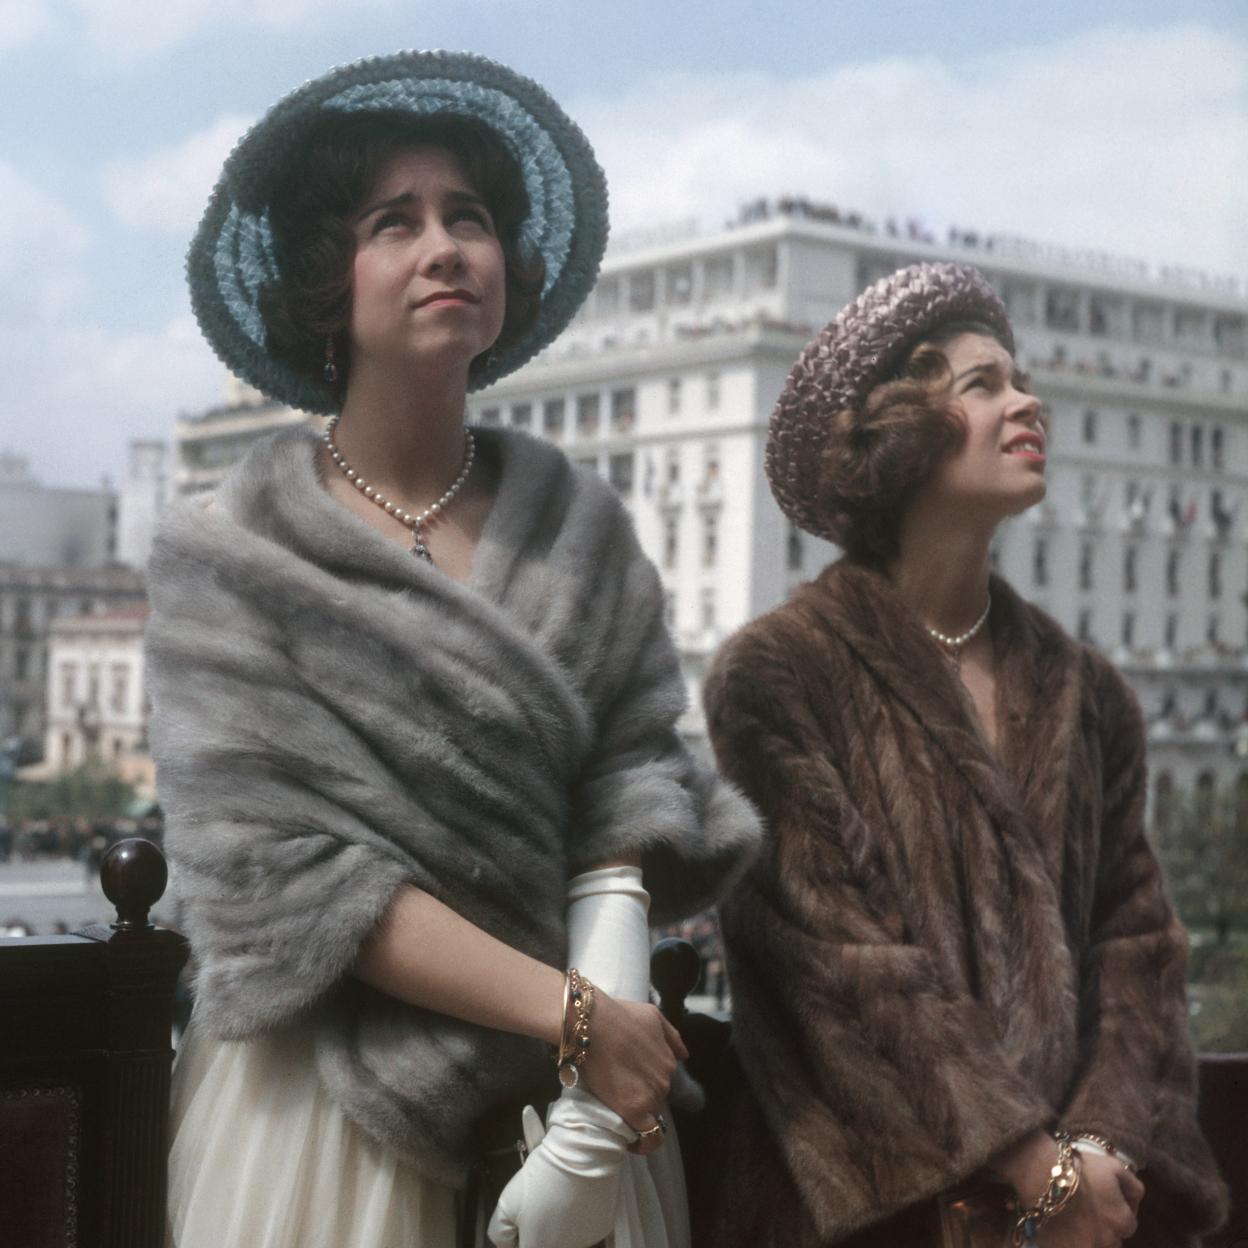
330,371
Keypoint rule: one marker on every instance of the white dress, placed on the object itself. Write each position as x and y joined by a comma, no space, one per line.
261,1157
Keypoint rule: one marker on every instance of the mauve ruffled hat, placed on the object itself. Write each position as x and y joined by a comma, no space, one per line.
232,255
856,351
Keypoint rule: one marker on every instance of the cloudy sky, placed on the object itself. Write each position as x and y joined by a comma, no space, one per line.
1114,125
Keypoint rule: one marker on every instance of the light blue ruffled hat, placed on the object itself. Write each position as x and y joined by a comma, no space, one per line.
232,255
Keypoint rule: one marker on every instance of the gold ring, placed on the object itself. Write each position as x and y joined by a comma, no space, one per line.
653,1132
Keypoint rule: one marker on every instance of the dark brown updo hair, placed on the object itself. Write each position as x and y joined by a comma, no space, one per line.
326,184
879,454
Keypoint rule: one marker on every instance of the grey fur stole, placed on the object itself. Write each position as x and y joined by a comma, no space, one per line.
333,718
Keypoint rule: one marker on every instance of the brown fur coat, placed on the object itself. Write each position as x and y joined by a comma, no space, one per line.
944,946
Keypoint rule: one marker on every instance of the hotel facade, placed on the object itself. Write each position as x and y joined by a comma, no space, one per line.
665,381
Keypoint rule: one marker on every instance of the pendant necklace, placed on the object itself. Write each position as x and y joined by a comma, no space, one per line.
417,521
954,644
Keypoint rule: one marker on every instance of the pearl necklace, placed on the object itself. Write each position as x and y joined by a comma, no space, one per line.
954,644
415,522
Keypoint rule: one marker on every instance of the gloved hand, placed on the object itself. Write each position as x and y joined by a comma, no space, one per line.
566,1192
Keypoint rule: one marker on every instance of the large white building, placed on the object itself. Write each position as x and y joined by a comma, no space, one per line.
667,378
665,382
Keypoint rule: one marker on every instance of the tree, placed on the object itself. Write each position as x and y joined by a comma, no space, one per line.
91,791
1203,845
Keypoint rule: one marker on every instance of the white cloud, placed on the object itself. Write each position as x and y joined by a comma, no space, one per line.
1129,141
167,189
83,391
22,22
129,30
41,245
75,391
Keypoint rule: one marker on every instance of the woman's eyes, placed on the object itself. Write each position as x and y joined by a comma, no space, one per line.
474,218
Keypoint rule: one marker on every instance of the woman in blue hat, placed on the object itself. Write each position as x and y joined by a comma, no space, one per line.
415,709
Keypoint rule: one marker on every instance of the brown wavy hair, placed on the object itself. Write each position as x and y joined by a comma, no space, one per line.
879,454
329,180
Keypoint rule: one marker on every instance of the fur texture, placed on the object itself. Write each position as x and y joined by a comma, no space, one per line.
334,718
942,947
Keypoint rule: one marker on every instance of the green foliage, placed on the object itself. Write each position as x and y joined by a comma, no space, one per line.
1218,994
1202,841
91,791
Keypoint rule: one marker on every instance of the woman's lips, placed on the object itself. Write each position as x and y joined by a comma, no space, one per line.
447,297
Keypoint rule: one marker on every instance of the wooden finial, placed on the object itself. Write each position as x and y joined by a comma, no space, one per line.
133,876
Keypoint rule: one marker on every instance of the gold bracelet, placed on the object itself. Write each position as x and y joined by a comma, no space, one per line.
578,1003
1063,1184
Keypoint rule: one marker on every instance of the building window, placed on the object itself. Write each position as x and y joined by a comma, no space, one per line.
1172,630
21,663
552,418
1129,559
1221,515
1212,632
708,608
490,416
710,537
1198,445
620,473
712,391
1040,563
710,466
1089,426
93,687
1133,431
521,415
669,609
1083,629
587,415
120,689
673,396
1176,442
673,466
641,291
67,748
1128,629
678,286
623,410
1148,322
1215,575
717,278
793,549
607,296
1215,447
1086,556
1061,308
1172,572
1089,496
69,685
671,539
760,269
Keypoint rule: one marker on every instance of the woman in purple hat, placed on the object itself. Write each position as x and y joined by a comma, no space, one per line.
958,986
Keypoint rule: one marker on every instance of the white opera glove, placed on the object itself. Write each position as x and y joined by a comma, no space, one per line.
566,1193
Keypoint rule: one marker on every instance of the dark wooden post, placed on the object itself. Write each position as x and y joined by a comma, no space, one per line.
85,1056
